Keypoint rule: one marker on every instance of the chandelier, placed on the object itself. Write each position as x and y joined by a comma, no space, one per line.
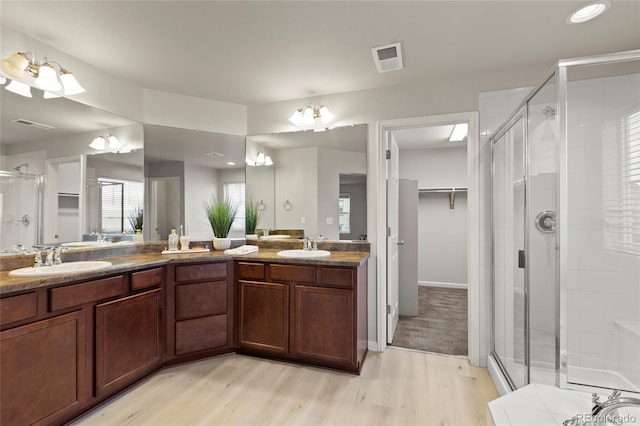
25,71
310,115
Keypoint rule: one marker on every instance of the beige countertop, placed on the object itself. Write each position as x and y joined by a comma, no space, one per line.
129,262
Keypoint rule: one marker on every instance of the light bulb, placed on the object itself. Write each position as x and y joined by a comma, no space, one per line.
268,161
113,142
296,117
14,65
307,117
70,84
48,79
325,114
260,159
19,88
98,143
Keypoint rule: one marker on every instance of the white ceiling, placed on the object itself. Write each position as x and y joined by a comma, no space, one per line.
266,51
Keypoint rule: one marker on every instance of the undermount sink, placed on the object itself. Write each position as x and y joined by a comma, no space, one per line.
276,237
304,254
68,268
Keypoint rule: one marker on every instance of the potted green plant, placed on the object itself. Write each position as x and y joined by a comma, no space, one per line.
252,217
135,220
221,215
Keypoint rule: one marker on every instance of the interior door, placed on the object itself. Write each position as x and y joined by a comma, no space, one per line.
408,250
392,236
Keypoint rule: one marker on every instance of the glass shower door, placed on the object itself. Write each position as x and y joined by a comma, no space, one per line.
509,290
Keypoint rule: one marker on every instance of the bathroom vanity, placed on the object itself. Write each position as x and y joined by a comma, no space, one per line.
68,343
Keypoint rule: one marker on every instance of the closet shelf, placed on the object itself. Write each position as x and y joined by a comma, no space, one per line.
451,191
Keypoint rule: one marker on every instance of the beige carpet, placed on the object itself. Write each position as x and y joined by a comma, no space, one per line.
441,324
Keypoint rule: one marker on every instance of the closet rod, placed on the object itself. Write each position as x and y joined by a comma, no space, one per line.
452,193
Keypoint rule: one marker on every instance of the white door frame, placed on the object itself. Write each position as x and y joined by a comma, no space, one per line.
473,221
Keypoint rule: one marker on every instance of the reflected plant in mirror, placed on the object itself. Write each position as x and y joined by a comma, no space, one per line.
301,187
252,219
184,169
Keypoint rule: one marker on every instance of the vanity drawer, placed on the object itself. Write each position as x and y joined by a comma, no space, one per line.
251,271
292,273
17,308
200,299
200,334
336,277
147,279
201,272
79,294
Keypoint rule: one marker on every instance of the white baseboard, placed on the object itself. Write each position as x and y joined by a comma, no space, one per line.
439,284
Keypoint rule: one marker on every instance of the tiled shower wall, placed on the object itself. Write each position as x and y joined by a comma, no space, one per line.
603,284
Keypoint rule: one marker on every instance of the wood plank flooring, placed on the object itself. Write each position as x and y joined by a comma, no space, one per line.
396,387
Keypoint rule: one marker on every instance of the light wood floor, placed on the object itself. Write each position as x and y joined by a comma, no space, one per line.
396,387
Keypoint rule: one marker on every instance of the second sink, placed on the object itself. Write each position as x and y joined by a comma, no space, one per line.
304,254
68,268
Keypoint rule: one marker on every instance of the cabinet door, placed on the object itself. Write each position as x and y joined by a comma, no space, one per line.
323,326
128,342
263,317
42,373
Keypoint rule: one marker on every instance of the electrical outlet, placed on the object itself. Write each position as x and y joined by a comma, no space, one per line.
329,221
303,220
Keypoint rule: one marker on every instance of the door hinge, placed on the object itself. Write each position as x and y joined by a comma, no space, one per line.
388,154
388,309
388,231
521,259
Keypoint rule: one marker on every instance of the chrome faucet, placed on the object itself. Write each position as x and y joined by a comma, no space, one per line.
37,261
604,413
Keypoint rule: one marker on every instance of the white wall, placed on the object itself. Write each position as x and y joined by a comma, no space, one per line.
201,184
260,188
442,241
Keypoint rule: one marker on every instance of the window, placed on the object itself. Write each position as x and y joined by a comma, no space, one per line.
622,189
234,192
118,200
344,214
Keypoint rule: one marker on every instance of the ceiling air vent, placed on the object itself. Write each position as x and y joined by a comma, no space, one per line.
388,58
32,124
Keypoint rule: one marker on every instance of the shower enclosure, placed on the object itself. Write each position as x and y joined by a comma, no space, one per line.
566,229
21,203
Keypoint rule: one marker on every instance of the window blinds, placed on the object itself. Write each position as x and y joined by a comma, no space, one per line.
119,199
234,192
622,185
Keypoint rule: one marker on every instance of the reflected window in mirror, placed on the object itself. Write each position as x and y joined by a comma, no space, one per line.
235,194
120,200
344,216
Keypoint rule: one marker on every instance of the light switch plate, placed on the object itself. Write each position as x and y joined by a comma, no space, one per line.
303,220
329,221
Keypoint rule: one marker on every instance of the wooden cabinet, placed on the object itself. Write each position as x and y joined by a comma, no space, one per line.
65,349
128,340
42,373
263,320
323,324
200,310
309,313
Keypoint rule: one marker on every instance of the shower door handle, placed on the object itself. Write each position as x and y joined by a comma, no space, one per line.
521,259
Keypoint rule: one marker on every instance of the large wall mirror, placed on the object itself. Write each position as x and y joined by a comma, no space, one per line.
183,170
315,181
57,189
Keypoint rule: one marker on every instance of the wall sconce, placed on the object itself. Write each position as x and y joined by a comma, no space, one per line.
102,143
261,160
25,71
310,115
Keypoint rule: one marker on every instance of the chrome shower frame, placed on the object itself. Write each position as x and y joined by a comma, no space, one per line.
40,181
560,71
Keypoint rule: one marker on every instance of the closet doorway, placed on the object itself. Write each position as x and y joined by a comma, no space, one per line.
433,218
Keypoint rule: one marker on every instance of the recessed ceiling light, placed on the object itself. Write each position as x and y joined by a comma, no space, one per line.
459,132
588,12
231,163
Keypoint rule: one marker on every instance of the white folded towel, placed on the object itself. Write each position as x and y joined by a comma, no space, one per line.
246,249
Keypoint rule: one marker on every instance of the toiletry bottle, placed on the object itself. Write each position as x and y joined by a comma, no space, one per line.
173,240
184,240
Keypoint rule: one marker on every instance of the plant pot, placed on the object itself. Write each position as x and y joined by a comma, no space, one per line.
221,243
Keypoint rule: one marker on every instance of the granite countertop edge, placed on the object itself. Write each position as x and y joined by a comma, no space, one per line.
127,263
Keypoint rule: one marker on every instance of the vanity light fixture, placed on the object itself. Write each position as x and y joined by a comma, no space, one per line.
459,132
310,115
102,143
24,69
261,160
19,88
588,12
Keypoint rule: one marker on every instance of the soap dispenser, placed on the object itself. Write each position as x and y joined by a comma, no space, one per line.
173,240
